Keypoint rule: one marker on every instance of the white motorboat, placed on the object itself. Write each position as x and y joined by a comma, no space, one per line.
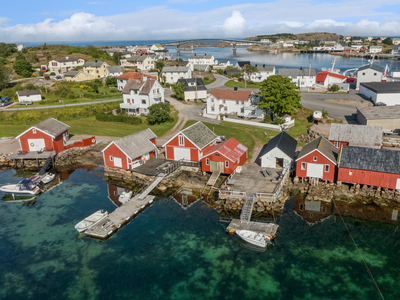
48,177
254,238
125,196
317,115
92,220
23,188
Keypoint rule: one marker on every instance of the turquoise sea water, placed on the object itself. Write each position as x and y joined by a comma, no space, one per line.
171,253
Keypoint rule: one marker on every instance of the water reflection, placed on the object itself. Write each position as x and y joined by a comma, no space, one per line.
186,197
312,211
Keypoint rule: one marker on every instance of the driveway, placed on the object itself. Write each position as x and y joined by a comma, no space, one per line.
218,83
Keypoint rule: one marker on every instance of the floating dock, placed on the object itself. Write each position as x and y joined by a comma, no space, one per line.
264,228
119,217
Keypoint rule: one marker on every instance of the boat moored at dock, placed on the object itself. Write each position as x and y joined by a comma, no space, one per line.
23,188
125,196
92,220
255,238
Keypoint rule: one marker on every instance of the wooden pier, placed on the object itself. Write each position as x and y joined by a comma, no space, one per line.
214,177
119,217
264,228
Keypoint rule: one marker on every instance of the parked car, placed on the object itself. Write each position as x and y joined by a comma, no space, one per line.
5,101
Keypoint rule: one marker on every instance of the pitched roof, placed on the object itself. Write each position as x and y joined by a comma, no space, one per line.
71,73
29,92
382,87
114,69
52,126
67,59
231,94
139,84
138,143
140,57
380,160
322,145
321,76
356,135
284,142
265,68
132,75
373,67
297,72
231,149
199,86
175,69
200,56
243,63
380,112
95,64
199,134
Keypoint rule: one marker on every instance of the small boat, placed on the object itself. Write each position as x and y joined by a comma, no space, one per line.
317,115
125,196
92,220
23,188
254,238
48,177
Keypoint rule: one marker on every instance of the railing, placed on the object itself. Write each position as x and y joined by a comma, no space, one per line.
174,165
232,193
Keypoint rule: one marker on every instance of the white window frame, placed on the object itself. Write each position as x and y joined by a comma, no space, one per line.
337,144
327,168
111,158
303,165
351,172
181,140
34,130
207,161
315,158
226,164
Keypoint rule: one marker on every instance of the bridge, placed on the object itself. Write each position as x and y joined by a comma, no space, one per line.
233,42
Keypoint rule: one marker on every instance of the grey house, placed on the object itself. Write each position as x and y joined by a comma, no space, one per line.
369,73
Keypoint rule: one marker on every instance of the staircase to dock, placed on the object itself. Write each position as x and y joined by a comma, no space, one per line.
247,208
214,177
147,191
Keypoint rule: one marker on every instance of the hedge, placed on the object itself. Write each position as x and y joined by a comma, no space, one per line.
118,118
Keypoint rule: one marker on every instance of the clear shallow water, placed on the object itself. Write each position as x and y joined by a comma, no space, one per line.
171,253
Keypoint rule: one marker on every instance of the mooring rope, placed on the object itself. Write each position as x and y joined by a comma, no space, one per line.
359,252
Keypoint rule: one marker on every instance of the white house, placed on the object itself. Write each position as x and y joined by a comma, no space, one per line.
123,79
396,50
172,74
65,64
279,152
157,48
113,71
288,44
369,73
396,41
27,97
194,89
202,59
140,94
263,73
225,63
20,47
387,93
241,103
339,46
303,78
375,49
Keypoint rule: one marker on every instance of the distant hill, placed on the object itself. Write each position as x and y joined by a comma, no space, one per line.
311,36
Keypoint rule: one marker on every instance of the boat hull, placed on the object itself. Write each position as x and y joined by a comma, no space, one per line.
10,189
254,238
91,221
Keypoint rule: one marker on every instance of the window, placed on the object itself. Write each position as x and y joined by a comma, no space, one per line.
34,131
216,154
324,209
223,101
303,165
301,206
350,173
143,101
212,108
326,168
207,161
226,164
54,64
181,140
374,74
226,108
237,102
337,144
363,73
314,158
111,158
129,100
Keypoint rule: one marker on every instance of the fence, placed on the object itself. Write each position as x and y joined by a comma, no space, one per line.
226,193
262,125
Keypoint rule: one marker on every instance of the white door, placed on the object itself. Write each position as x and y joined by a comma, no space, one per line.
36,144
398,184
315,170
117,162
181,153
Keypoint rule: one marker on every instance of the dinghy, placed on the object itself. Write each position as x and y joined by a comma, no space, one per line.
48,177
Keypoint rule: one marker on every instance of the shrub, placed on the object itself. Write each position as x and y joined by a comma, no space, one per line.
267,119
33,75
333,88
158,113
118,118
324,113
41,73
220,72
52,74
279,121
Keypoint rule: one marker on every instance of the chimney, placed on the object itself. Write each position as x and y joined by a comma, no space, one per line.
301,68
255,66
235,89
263,66
95,60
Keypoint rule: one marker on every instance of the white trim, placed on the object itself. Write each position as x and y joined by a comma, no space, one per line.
111,158
117,147
319,153
222,155
36,129
207,161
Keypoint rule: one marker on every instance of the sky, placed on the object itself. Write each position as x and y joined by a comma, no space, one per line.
80,20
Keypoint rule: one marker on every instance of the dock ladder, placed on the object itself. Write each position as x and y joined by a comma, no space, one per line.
247,208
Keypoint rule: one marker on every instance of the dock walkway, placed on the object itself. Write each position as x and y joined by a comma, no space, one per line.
214,177
264,228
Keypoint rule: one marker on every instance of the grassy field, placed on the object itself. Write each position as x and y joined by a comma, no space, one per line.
91,126
240,84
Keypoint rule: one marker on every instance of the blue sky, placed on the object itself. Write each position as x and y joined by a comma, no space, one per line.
28,21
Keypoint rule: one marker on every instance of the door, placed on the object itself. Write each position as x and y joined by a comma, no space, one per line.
181,153
315,170
36,144
221,166
214,166
398,184
117,162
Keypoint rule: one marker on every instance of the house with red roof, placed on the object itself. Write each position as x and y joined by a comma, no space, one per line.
224,157
237,102
329,78
123,79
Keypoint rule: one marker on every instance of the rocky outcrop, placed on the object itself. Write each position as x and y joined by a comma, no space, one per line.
90,155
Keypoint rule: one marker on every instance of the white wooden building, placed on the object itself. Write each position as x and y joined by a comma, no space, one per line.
27,97
205,59
387,93
172,74
303,78
263,73
279,152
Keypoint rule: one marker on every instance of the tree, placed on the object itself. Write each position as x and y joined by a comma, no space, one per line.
7,49
117,56
388,41
158,113
5,74
279,95
179,91
22,67
333,88
248,70
159,66
111,81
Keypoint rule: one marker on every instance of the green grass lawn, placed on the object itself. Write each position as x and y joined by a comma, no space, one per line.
241,84
210,80
91,126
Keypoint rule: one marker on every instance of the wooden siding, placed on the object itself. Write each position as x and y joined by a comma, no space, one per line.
218,157
38,135
372,178
322,160
114,151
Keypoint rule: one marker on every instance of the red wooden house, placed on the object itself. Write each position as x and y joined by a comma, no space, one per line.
131,151
374,167
355,135
190,144
317,159
47,135
224,157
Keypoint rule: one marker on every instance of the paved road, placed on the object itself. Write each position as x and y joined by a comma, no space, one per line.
62,105
218,83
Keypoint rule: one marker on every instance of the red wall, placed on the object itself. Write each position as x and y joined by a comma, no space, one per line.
169,149
340,145
114,151
222,158
330,176
379,179
38,135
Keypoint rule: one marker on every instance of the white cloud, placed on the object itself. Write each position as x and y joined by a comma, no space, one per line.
234,25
